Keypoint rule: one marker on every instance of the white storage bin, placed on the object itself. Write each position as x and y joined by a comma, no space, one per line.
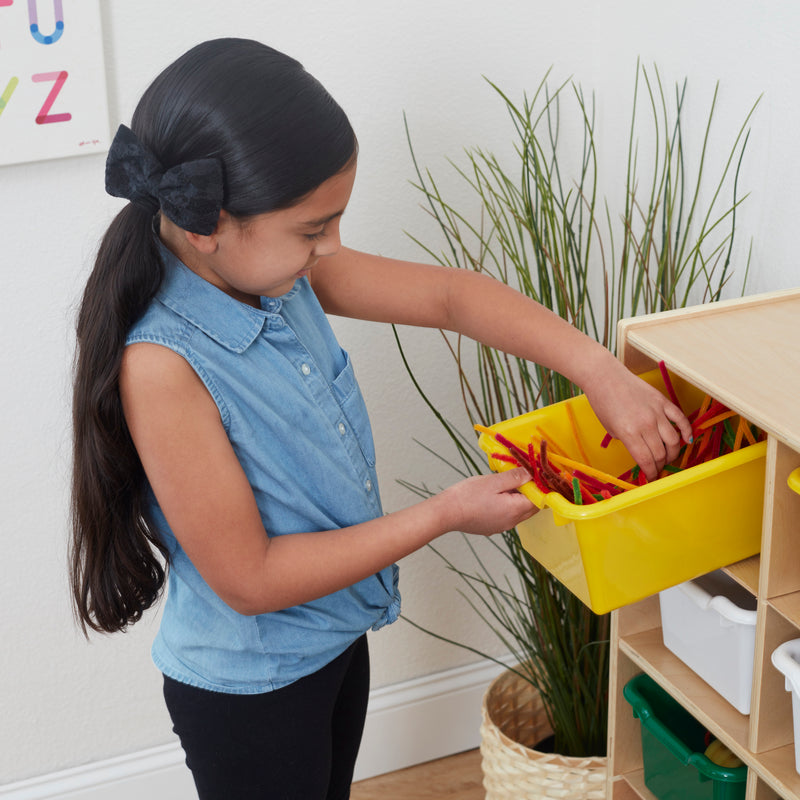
786,659
709,623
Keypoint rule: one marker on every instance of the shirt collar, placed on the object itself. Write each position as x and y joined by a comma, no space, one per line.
232,324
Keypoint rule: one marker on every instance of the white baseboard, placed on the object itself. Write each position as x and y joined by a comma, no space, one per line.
158,772
407,723
417,721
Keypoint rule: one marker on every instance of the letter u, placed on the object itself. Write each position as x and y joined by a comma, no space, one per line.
33,18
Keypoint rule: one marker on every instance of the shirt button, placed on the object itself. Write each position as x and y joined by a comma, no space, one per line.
368,485
342,429
305,369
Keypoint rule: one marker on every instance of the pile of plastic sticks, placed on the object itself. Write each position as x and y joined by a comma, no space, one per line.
716,431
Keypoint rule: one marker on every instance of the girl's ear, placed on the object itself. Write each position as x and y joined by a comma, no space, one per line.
208,245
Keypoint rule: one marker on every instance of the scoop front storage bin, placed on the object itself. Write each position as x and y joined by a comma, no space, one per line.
786,659
710,624
622,549
673,746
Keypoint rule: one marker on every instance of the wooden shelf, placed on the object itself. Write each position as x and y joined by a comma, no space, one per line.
750,360
779,771
647,650
788,606
631,787
746,573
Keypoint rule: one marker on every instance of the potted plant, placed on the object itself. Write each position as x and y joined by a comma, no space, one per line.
539,224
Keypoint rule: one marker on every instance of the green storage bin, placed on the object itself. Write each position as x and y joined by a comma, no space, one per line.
673,743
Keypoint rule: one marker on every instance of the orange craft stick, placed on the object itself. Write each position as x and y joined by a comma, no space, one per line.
714,420
552,444
748,434
575,435
737,442
562,461
687,452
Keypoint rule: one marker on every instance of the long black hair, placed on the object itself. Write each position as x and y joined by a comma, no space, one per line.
278,135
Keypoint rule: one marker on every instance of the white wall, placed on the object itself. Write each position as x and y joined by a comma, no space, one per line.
64,701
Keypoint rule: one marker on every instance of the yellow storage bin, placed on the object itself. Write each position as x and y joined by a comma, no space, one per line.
633,545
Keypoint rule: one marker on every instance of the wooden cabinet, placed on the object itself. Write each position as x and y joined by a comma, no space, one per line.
745,353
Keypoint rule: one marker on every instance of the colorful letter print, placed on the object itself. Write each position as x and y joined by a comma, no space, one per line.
52,80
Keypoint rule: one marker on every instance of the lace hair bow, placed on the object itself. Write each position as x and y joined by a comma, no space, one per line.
190,194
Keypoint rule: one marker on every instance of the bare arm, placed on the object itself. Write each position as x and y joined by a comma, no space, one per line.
210,506
369,287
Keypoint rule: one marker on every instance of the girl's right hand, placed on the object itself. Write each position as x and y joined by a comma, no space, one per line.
489,504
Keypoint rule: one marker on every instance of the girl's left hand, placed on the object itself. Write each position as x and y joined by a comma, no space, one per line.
649,425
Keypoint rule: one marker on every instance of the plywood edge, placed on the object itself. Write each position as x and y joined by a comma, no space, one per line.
629,324
630,787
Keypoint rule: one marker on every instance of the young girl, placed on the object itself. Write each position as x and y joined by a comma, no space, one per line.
219,428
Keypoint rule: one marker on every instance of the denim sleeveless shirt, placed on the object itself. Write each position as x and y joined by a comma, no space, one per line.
290,404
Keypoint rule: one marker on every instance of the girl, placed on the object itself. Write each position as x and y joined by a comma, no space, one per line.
219,428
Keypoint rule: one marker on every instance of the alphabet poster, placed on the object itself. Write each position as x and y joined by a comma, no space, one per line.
53,99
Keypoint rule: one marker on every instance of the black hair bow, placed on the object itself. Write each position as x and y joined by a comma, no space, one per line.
189,194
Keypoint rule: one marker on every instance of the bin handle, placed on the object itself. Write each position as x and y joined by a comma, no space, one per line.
794,480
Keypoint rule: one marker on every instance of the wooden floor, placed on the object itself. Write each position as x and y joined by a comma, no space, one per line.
454,778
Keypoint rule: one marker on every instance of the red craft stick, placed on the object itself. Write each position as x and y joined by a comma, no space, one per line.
515,451
504,457
700,454
537,475
716,446
668,384
589,481
586,495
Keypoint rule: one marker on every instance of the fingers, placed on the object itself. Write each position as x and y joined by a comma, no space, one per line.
517,507
514,478
520,507
661,441
491,503
672,437
674,414
650,455
644,419
672,429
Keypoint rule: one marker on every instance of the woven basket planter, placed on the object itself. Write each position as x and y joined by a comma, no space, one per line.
514,722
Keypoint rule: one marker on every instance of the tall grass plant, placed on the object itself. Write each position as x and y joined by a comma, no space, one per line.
540,223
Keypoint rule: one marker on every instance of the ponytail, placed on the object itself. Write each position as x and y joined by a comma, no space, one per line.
116,574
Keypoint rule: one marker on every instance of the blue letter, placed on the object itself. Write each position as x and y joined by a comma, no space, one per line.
33,17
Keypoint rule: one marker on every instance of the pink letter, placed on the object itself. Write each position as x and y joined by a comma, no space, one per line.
44,117
6,3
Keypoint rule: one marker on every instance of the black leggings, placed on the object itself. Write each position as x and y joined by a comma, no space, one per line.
296,743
